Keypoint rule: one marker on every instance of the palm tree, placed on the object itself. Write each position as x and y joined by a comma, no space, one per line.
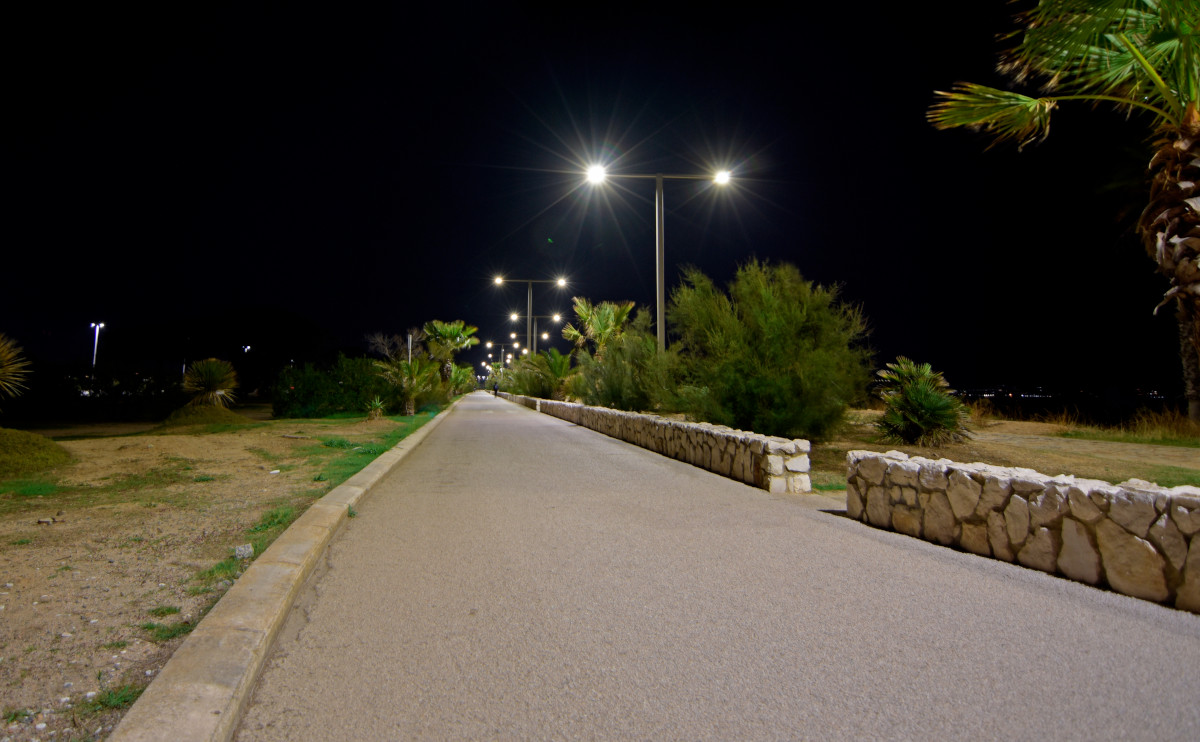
1135,56
447,338
600,323
212,382
410,379
14,368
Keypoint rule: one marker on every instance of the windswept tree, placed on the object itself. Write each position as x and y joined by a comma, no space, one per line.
14,368
1140,57
211,383
598,324
446,339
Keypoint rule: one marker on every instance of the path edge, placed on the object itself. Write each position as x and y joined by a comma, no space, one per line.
199,695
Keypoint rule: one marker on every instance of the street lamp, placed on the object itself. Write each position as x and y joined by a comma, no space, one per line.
597,174
545,335
559,282
96,346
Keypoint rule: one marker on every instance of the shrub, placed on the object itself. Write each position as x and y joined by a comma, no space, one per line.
778,355
348,386
920,408
212,382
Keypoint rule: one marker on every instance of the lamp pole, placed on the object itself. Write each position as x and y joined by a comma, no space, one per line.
533,347
597,174
560,282
96,346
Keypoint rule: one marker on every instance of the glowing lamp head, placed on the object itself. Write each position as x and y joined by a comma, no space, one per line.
596,174
513,316
489,344
558,318
561,282
498,280
722,177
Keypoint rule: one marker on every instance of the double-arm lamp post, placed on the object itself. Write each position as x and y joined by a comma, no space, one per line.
533,348
560,282
597,174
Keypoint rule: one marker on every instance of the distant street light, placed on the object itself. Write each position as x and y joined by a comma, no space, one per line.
559,282
96,346
597,174
545,335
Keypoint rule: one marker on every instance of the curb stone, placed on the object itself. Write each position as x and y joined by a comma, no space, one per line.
200,693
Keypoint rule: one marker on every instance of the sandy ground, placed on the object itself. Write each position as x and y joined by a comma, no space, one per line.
80,573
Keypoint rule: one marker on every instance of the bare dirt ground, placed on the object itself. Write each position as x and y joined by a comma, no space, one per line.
144,514
137,518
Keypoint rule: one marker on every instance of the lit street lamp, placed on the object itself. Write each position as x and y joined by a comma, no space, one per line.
96,346
597,174
545,335
560,282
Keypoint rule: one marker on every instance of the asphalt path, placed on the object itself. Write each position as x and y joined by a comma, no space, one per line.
519,577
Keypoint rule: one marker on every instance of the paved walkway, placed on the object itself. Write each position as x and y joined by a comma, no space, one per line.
518,577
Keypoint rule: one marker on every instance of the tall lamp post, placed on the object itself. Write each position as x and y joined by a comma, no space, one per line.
96,346
560,282
597,174
533,347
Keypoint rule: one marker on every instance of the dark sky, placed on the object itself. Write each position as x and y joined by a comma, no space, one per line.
293,179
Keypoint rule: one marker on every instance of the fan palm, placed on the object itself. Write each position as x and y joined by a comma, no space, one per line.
212,382
410,379
599,324
445,339
14,369
920,408
1136,56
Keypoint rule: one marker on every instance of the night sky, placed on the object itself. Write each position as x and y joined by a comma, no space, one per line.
207,178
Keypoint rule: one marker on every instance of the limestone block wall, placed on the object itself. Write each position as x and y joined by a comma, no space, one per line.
1135,537
773,464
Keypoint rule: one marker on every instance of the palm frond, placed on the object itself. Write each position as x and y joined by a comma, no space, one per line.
1005,114
14,368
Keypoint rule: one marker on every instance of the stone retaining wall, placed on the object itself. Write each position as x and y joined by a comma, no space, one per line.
1135,537
770,463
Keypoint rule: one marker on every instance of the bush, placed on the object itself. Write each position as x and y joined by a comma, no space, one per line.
920,409
312,392
778,355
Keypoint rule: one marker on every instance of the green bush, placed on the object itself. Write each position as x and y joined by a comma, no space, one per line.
348,386
920,408
778,355
632,374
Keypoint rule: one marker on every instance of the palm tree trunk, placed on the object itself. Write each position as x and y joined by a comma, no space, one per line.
1170,228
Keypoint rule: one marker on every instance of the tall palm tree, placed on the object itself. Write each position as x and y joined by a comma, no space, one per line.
1135,56
599,324
14,368
445,339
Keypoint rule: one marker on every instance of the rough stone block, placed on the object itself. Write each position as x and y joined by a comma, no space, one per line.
799,483
1082,507
777,485
1079,558
780,447
774,465
932,476
904,473
873,469
854,503
879,511
1047,508
1133,510
1016,519
1041,552
1188,597
799,464
1188,520
974,538
939,523
1165,535
906,521
1027,484
998,537
802,446
994,495
1131,564
908,495
963,493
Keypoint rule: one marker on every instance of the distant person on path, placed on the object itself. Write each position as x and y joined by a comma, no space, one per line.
496,389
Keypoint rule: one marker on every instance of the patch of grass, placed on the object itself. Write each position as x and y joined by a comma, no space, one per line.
280,517
203,478
163,610
13,716
338,443
198,589
226,569
115,645
204,420
22,542
111,699
351,512
28,487
24,453
64,568
265,455
162,632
